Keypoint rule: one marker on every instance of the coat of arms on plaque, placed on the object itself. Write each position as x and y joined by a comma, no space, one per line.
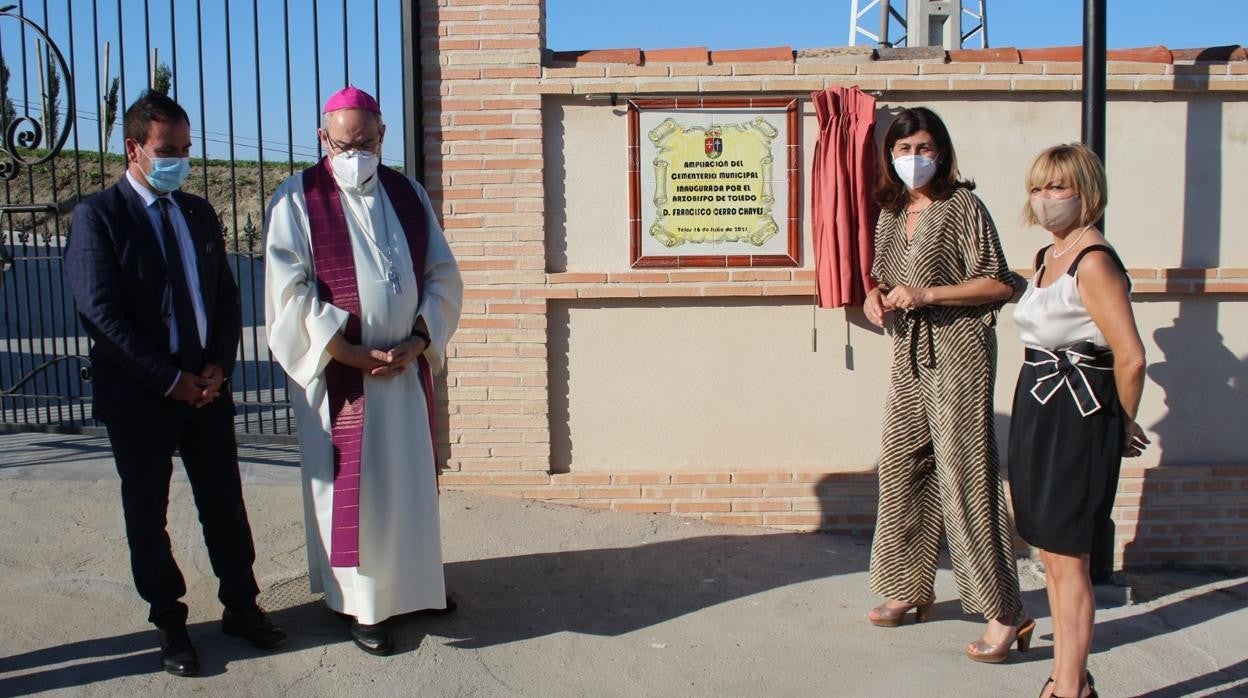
714,143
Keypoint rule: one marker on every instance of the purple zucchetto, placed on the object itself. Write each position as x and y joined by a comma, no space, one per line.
351,97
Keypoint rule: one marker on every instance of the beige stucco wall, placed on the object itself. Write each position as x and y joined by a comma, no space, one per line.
707,384
1173,169
711,385
652,384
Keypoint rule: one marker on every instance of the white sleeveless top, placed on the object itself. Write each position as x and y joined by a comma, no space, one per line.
1054,317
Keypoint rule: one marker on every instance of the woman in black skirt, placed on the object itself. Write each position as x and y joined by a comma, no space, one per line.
1077,396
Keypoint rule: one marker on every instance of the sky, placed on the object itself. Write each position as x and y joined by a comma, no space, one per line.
278,100
726,24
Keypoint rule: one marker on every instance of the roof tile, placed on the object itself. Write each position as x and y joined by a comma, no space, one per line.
1006,54
1150,54
752,55
1211,54
631,56
688,54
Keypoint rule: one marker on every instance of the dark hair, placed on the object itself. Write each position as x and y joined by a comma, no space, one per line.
890,191
152,106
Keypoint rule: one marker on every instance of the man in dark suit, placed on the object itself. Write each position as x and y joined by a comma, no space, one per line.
149,274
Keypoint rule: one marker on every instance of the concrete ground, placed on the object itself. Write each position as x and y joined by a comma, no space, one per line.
554,601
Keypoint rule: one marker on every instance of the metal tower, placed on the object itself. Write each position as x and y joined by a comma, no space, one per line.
947,23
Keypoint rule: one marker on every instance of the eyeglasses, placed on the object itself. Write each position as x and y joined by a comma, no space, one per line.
369,145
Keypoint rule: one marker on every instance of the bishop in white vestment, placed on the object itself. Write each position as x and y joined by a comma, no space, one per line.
362,295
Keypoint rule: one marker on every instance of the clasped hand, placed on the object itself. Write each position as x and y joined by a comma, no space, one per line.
884,299
199,390
380,363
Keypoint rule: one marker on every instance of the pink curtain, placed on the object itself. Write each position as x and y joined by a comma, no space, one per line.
844,212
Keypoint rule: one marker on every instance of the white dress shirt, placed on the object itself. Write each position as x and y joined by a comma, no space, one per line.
190,266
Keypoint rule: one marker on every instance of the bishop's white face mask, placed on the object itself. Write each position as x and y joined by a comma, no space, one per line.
914,170
1056,214
353,168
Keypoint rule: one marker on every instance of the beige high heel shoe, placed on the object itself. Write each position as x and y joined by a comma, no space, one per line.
886,616
981,651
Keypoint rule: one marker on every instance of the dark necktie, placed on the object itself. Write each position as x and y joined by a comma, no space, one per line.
190,351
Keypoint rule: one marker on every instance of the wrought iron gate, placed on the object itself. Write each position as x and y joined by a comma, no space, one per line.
251,74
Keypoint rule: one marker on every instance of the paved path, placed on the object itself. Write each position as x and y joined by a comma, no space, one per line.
554,601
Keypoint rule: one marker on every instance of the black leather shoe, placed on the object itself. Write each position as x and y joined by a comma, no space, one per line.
451,607
254,626
177,654
374,639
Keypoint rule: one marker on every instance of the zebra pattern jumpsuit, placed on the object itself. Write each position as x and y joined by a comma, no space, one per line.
938,464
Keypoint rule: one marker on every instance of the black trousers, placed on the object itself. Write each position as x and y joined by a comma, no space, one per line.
205,439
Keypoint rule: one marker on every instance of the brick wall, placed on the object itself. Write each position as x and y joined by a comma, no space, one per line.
485,76
1183,515
1165,515
483,144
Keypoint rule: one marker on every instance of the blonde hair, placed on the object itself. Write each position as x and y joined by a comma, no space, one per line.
1074,165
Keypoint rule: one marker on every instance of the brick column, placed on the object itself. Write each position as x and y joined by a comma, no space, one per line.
483,163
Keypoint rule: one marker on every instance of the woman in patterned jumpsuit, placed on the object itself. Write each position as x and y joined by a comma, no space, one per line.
942,278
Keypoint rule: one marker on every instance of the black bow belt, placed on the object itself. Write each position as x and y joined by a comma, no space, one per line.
918,325
1069,367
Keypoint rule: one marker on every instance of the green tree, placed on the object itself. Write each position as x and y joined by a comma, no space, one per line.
7,112
110,111
162,80
52,98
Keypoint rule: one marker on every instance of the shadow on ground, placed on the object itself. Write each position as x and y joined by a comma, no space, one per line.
309,624
613,591
606,592
1232,680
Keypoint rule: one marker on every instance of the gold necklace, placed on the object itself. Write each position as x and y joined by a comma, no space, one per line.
916,211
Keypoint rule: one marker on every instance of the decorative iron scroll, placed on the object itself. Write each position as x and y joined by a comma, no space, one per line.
84,372
25,132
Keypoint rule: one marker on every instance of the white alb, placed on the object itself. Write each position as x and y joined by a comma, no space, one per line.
400,567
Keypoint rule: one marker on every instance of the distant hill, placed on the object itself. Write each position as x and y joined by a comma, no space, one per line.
233,190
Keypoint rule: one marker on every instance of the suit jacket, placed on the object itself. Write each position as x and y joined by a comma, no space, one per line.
117,273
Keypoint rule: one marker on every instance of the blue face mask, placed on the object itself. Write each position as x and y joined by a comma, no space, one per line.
167,174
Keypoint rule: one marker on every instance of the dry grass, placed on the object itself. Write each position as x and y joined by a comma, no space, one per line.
234,191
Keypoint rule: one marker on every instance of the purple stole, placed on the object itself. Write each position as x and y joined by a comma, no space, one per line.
336,283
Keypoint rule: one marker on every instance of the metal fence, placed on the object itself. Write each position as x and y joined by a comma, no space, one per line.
252,76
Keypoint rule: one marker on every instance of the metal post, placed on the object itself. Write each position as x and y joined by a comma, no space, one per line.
983,23
1101,561
884,20
1094,76
413,121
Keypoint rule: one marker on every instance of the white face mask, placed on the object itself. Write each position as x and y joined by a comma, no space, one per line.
1056,214
914,170
354,168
